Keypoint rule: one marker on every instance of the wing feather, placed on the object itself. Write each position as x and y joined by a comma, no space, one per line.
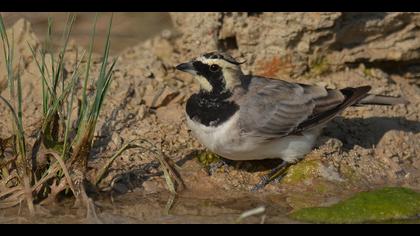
276,108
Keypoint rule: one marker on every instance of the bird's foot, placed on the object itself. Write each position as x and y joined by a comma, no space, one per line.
211,161
275,175
214,166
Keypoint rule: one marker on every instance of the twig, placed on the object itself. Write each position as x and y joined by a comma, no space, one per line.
255,211
170,203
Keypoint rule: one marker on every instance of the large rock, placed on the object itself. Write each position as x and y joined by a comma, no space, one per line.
293,43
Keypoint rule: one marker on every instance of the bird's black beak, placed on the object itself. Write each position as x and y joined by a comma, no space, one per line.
186,67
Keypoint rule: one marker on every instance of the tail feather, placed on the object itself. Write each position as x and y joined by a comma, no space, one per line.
372,99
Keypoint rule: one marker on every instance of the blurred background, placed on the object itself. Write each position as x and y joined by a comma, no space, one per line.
128,29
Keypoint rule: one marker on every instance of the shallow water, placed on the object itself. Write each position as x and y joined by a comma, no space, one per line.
136,207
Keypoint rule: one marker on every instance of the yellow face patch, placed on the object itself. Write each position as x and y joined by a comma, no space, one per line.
204,83
231,72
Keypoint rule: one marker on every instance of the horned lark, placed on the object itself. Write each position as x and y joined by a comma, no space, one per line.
247,117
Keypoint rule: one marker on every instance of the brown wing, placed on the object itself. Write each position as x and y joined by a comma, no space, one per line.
276,108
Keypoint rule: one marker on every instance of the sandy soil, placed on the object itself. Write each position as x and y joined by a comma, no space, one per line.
365,148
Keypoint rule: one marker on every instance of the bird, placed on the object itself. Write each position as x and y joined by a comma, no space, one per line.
248,117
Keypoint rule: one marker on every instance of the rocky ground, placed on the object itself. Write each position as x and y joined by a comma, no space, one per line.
366,148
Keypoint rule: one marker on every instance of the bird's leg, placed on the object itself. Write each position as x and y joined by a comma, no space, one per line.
214,166
275,174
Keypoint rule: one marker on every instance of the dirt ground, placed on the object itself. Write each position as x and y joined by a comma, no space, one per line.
365,148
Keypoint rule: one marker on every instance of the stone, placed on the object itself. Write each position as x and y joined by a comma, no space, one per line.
343,38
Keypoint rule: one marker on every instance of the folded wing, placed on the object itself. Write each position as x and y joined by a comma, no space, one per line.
276,108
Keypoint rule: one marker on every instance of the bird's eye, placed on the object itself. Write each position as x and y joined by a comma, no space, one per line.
214,68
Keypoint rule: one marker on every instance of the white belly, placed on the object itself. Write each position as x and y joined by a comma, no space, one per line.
227,141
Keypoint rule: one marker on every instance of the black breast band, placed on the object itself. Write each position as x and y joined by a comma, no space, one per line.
210,109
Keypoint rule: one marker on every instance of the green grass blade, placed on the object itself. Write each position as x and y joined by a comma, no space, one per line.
44,84
12,110
102,79
49,33
3,30
9,67
102,93
49,45
66,36
84,92
41,68
75,77
56,103
4,37
19,105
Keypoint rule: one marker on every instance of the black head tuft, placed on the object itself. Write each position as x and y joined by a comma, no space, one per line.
223,56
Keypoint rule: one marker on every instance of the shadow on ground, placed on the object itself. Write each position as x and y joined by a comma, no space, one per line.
353,131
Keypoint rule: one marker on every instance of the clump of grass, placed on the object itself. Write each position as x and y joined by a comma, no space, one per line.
22,173
57,162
